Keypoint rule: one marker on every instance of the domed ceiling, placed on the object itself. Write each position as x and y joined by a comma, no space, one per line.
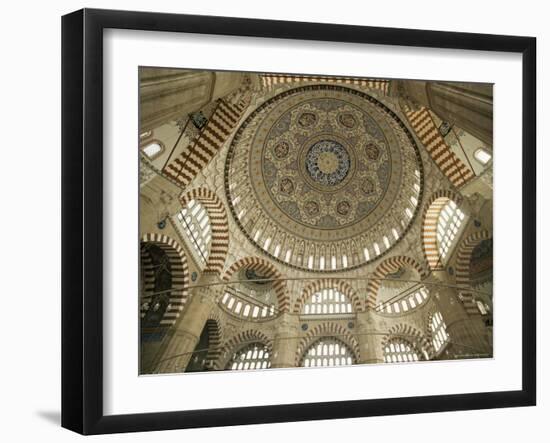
323,178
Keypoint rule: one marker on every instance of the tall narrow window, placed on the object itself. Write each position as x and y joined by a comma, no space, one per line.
327,301
410,300
449,222
482,156
399,350
328,351
288,255
145,135
366,252
196,225
252,356
152,149
438,328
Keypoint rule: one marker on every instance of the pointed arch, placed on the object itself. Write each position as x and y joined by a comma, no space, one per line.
206,145
179,273
446,160
388,266
328,329
240,340
218,220
462,269
265,268
430,217
410,334
329,283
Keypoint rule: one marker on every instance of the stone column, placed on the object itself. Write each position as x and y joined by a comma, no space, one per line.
187,332
370,338
468,334
168,94
285,342
467,105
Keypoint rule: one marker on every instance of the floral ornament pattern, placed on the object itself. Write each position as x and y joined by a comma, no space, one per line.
320,170
327,162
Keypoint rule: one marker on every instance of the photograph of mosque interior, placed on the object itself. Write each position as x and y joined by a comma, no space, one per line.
299,221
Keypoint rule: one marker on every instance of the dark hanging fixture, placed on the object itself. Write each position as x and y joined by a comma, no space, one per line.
161,224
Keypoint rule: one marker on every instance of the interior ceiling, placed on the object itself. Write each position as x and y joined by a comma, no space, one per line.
323,171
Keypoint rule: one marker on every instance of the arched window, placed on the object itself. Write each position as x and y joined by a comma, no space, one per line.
145,135
157,285
327,301
399,350
404,302
328,351
153,149
482,156
438,329
244,305
449,222
253,297
196,225
252,356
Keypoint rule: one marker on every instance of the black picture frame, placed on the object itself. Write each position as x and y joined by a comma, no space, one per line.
82,219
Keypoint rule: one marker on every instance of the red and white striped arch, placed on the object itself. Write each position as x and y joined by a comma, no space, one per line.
413,336
328,330
207,144
270,81
454,169
240,340
432,209
218,222
329,283
389,266
462,269
179,273
267,269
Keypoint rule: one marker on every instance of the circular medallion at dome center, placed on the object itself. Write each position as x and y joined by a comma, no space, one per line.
327,162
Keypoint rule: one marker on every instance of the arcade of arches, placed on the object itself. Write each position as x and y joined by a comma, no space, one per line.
300,221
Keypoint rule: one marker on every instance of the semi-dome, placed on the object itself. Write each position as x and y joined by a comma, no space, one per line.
323,178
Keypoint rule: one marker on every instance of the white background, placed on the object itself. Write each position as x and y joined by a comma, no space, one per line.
30,184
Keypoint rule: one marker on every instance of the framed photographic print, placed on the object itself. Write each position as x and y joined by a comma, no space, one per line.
285,221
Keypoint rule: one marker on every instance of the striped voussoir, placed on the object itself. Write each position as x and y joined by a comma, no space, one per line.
206,145
214,327
266,269
327,330
329,283
179,272
454,169
219,244
240,340
148,275
270,81
389,266
411,335
429,225
462,269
